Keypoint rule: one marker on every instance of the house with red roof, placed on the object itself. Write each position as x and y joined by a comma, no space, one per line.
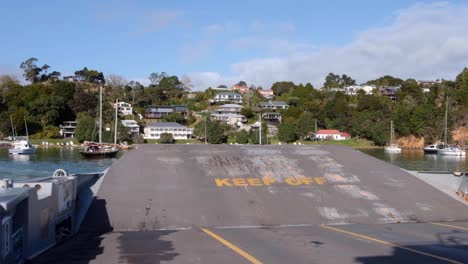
331,134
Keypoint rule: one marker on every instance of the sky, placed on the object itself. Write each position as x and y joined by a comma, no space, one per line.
223,42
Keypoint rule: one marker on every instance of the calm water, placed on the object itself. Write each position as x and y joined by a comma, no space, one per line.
416,160
46,161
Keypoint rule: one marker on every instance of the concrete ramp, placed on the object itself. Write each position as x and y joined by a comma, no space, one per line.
180,186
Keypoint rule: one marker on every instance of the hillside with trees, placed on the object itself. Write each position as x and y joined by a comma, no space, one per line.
49,99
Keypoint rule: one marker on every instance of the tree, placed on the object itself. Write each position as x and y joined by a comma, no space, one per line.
242,83
386,80
280,88
286,132
90,76
242,137
85,128
175,117
166,138
215,131
247,112
305,124
156,77
335,81
186,82
332,81
30,70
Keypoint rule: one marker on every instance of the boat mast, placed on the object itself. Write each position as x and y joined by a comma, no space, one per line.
391,132
260,129
12,128
445,125
116,118
26,125
100,114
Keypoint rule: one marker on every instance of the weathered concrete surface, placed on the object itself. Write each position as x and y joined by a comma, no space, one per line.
161,186
154,201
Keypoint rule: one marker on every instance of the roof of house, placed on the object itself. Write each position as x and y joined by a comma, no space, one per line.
130,123
229,93
344,134
273,103
231,105
229,115
166,124
328,132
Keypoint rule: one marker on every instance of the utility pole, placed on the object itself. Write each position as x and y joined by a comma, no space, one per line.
206,141
100,114
316,126
260,129
116,119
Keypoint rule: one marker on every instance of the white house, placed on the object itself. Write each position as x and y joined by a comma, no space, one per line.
331,134
124,108
228,109
132,126
227,97
231,119
178,131
353,89
67,129
266,93
274,105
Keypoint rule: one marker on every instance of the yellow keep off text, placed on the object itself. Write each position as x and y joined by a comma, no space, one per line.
267,181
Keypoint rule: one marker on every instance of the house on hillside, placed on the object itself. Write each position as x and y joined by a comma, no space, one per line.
274,105
124,108
67,129
177,130
240,88
389,91
228,109
227,97
132,126
272,118
161,111
331,134
231,119
268,94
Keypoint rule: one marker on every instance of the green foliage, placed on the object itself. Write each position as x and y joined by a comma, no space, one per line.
90,76
166,138
175,117
280,88
242,137
138,139
51,132
335,81
216,132
386,80
305,124
85,128
287,132
247,112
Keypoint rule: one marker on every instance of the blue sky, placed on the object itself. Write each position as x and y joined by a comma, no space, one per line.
215,42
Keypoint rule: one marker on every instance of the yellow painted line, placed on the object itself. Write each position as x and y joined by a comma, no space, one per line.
390,244
452,226
231,246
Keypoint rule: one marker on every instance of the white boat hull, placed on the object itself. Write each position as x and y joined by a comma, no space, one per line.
392,149
452,152
22,151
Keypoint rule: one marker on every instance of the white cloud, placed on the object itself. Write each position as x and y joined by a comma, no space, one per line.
161,19
424,41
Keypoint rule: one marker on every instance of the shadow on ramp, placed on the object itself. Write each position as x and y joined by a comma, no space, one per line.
452,247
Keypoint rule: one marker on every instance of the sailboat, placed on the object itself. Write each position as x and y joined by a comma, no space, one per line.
22,147
99,149
392,148
449,150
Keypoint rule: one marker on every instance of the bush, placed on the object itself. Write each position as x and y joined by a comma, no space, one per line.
242,137
287,132
166,138
138,139
51,132
247,112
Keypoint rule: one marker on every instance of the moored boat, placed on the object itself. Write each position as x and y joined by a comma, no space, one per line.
433,148
22,147
449,150
392,148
